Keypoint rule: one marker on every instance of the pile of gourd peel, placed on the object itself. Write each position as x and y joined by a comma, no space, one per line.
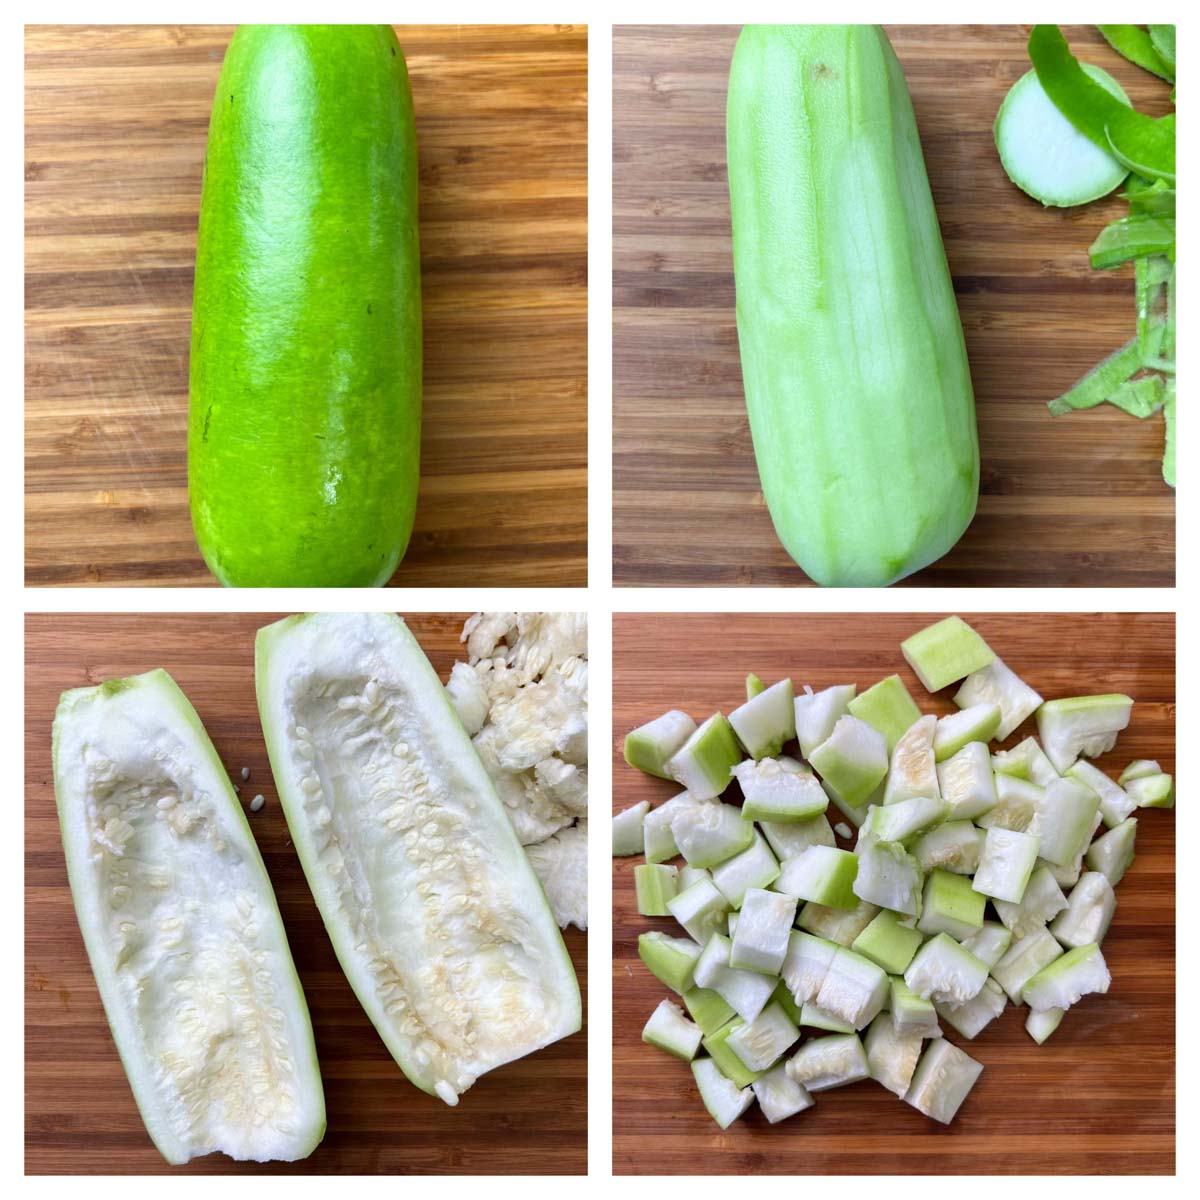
1140,377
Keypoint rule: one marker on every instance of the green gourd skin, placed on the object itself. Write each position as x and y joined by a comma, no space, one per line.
305,389
853,361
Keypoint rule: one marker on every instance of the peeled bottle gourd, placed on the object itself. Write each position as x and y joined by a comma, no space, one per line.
182,928
304,423
853,361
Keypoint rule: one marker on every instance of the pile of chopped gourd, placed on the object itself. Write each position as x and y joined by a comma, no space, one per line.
875,947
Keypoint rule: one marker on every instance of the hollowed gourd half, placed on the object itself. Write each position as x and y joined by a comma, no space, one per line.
182,928
436,916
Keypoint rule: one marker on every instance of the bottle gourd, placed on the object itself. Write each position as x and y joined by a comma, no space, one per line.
853,360
304,423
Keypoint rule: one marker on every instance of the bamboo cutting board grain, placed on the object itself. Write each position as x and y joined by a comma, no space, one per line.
1098,1098
529,1117
1067,501
116,122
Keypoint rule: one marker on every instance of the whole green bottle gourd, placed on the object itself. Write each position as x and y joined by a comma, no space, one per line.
853,361
304,421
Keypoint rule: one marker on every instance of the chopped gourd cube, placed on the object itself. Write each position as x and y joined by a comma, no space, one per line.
952,846
854,989
996,684
790,838
762,1042
891,1056
627,834
806,964
766,721
913,771
724,1100
887,706
973,1016
1063,820
700,909
1068,979
1024,960
779,789
709,1010
670,960
1026,760
703,763
1112,854
951,905
670,1030
1016,804
1089,912
747,991
761,941
967,784
888,942
755,867
651,746
710,832
853,760
1040,1025
656,828
977,723
717,1044
1152,791
943,1079
829,1062
890,877
912,1013
837,925
1138,769
656,885
1005,864
943,970
1086,725
946,652
818,712
903,820
779,1095
822,874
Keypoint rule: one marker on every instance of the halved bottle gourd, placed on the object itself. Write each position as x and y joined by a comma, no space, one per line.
182,928
436,916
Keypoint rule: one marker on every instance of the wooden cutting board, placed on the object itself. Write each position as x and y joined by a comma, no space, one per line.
1097,1098
80,1118
1076,500
116,119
